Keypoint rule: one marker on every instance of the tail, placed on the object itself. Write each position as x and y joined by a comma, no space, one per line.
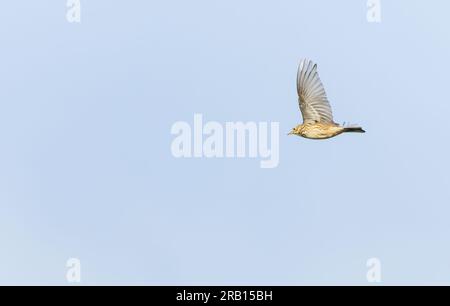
354,129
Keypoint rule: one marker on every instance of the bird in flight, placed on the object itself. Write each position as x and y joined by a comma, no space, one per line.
316,110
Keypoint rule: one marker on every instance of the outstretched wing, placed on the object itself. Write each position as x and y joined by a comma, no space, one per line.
312,98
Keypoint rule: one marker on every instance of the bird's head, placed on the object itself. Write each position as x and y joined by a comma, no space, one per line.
293,131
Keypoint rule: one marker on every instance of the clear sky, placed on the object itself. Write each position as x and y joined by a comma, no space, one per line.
86,169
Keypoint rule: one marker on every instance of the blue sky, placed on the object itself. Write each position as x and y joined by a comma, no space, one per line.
86,169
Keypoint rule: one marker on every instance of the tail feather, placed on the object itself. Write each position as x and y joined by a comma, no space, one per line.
355,129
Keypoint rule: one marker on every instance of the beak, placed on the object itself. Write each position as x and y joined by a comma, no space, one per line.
290,133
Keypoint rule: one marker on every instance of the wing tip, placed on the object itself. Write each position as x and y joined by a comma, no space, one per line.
308,63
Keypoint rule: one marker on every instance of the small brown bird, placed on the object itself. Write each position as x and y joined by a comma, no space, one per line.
316,110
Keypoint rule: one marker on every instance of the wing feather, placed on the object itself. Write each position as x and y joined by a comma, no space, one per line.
313,99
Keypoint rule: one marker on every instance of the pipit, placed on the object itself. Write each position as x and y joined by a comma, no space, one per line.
316,110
